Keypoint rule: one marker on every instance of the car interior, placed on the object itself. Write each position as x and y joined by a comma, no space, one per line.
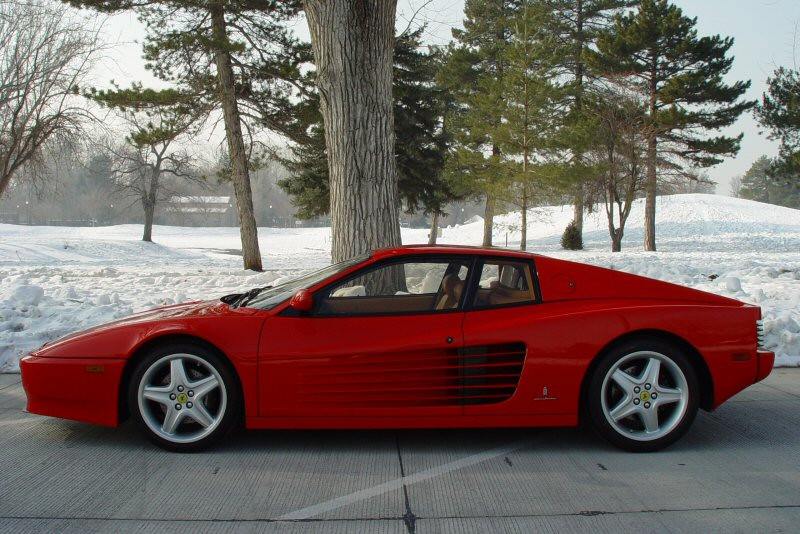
427,286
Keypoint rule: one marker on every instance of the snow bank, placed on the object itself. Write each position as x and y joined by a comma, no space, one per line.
56,280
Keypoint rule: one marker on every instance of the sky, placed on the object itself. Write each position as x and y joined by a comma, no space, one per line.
766,35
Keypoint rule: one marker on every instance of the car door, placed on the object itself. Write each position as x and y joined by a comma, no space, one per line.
500,338
384,341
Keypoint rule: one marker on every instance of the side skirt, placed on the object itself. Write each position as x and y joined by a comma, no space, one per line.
371,423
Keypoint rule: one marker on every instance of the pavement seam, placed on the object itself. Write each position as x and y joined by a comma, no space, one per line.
591,513
784,391
12,384
391,485
409,519
584,513
196,520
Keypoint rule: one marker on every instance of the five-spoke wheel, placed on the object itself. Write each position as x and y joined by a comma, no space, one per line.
183,396
643,395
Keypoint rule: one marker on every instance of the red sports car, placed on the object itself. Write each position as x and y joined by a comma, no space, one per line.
414,337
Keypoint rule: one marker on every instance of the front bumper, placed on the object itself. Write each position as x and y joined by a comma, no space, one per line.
81,389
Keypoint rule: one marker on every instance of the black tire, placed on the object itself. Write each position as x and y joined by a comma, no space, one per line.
635,409
191,410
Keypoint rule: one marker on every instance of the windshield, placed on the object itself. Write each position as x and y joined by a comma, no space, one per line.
272,296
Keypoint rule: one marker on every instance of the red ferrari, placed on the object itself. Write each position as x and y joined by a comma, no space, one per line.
414,337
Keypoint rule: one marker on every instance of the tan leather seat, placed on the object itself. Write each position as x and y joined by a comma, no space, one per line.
452,287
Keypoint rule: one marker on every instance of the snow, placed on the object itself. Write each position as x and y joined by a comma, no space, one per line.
55,280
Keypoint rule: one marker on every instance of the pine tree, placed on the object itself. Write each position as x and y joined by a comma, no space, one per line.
779,111
234,56
421,139
475,75
307,161
756,181
764,182
530,98
655,52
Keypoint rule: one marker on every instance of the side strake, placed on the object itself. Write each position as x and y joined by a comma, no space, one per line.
485,374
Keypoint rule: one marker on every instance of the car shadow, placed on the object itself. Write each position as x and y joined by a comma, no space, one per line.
731,427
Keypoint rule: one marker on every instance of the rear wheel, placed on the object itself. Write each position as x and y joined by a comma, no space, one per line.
643,396
184,397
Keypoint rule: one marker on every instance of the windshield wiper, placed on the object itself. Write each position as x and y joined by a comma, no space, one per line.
230,299
240,299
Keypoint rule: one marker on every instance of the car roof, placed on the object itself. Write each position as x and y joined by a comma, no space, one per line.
449,249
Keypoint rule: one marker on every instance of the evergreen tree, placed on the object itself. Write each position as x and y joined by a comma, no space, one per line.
95,172
421,139
756,182
779,111
235,56
529,98
308,184
475,75
655,53
763,182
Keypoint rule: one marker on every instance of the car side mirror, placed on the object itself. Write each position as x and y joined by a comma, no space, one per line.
303,300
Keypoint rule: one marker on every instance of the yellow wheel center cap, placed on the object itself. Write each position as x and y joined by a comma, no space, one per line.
644,395
182,398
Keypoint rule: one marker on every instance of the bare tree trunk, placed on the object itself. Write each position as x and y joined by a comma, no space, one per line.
616,240
353,44
434,228
650,197
488,220
579,200
149,211
523,241
251,255
615,233
650,184
149,199
5,179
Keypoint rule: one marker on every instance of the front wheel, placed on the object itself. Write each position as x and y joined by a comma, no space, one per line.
184,397
643,396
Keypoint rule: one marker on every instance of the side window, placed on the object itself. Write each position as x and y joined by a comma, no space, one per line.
409,287
504,282
490,273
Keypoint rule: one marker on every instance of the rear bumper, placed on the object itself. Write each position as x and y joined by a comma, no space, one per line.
73,388
765,362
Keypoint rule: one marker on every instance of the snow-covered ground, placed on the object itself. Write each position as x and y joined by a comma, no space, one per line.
54,280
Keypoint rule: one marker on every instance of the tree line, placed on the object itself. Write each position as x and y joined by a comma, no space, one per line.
594,101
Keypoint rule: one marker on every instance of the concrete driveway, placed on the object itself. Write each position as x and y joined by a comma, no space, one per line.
738,470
